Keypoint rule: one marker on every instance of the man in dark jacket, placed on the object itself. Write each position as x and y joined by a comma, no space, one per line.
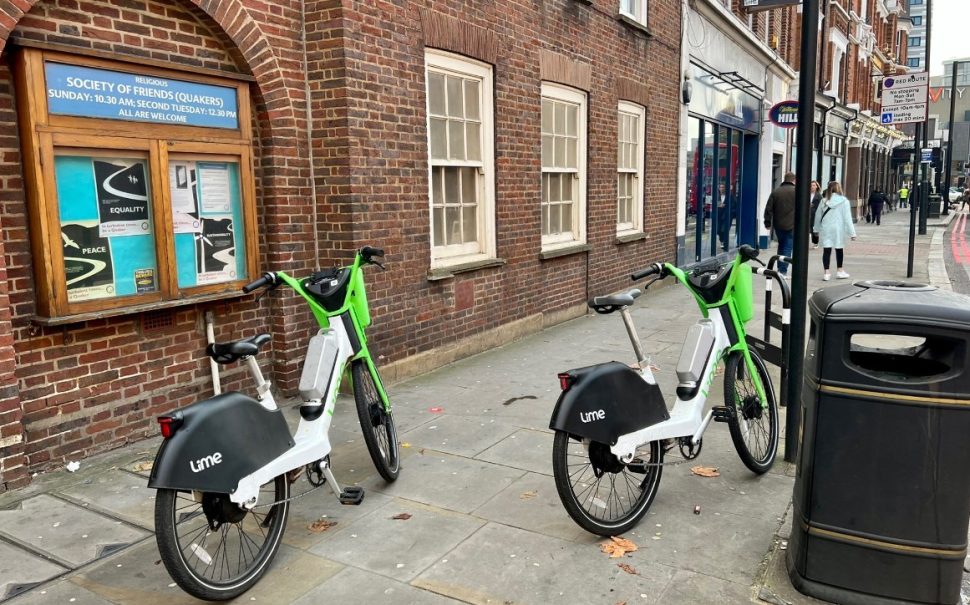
780,215
877,199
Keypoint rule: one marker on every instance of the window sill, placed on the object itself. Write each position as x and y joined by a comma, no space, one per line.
585,1
625,238
633,23
564,251
450,271
153,306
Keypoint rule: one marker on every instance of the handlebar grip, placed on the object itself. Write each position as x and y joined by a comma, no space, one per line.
653,269
268,279
369,251
748,252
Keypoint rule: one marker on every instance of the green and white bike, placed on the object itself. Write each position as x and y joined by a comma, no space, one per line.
226,464
611,424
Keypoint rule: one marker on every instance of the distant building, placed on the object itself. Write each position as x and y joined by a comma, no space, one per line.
916,42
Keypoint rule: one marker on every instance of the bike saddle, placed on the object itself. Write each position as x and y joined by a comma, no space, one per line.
232,351
613,302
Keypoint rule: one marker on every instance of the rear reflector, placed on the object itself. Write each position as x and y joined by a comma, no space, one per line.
169,424
565,381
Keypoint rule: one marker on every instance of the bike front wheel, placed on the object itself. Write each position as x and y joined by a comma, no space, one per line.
377,423
213,548
754,428
601,494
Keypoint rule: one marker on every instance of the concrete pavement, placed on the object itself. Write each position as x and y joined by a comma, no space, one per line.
486,524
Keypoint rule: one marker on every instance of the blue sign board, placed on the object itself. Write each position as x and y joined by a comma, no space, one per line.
926,156
88,92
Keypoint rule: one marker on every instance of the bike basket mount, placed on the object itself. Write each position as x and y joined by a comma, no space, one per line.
328,287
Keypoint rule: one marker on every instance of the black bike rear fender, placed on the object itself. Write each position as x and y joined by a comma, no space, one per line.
220,441
605,401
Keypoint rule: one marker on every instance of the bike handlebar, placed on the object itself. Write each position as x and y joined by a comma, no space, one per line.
368,251
654,269
268,279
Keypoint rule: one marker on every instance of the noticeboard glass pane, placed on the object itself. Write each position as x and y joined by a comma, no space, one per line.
207,215
106,226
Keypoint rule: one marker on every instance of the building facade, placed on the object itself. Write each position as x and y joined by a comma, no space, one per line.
511,158
940,93
916,38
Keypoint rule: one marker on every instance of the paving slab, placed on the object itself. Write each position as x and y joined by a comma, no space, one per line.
67,533
137,577
64,592
322,504
532,503
689,588
398,548
527,568
529,450
21,570
358,586
459,435
119,493
446,481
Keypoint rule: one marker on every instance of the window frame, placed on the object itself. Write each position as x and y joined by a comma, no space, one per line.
447,63
46,136
577,235
640,112
918,40
641,18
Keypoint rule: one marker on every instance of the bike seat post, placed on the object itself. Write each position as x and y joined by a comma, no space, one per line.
262,386
631,331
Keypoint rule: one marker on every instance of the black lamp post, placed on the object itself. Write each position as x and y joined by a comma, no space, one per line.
949,137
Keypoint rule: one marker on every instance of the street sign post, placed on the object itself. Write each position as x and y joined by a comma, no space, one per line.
905,98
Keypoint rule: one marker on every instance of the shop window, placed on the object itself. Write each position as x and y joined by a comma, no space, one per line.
629,167
462,164
634,9
563,166
140,185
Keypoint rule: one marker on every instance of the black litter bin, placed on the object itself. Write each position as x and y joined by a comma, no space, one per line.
935,207
882,492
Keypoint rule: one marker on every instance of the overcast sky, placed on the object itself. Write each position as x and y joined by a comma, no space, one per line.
951,32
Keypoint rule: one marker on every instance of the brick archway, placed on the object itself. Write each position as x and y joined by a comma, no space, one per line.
283,178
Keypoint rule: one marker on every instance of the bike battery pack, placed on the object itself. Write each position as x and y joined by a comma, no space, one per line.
697,350
318,367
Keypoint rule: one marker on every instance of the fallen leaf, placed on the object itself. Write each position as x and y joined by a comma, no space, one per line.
529,495
405,444
705,471
628,568
143,467
321,525
617,547
401,516
421,451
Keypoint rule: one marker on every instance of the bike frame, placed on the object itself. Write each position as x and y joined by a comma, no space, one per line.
312,440
687,418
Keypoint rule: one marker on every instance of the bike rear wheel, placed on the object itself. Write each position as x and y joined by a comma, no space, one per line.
754,429
377,423
214,549
601,494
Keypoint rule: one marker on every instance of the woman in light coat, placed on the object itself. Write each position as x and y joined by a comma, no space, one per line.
833,223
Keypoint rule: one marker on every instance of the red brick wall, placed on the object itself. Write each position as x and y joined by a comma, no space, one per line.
98,384
385,187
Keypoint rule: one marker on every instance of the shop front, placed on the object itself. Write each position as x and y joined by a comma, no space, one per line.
721,154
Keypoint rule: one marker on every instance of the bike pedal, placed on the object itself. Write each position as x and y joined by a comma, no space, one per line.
352,495
722,413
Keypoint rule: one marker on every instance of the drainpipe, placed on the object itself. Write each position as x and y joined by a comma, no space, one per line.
210,337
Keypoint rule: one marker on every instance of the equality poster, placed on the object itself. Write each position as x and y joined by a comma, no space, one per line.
215,251
88,265
122,196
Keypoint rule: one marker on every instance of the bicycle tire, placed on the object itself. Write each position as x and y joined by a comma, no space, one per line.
179,531
376,423
747,418
582,506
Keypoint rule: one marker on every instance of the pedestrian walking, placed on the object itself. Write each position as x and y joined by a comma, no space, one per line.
966,198
780,216
816,200
903,195
833,225
877,199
